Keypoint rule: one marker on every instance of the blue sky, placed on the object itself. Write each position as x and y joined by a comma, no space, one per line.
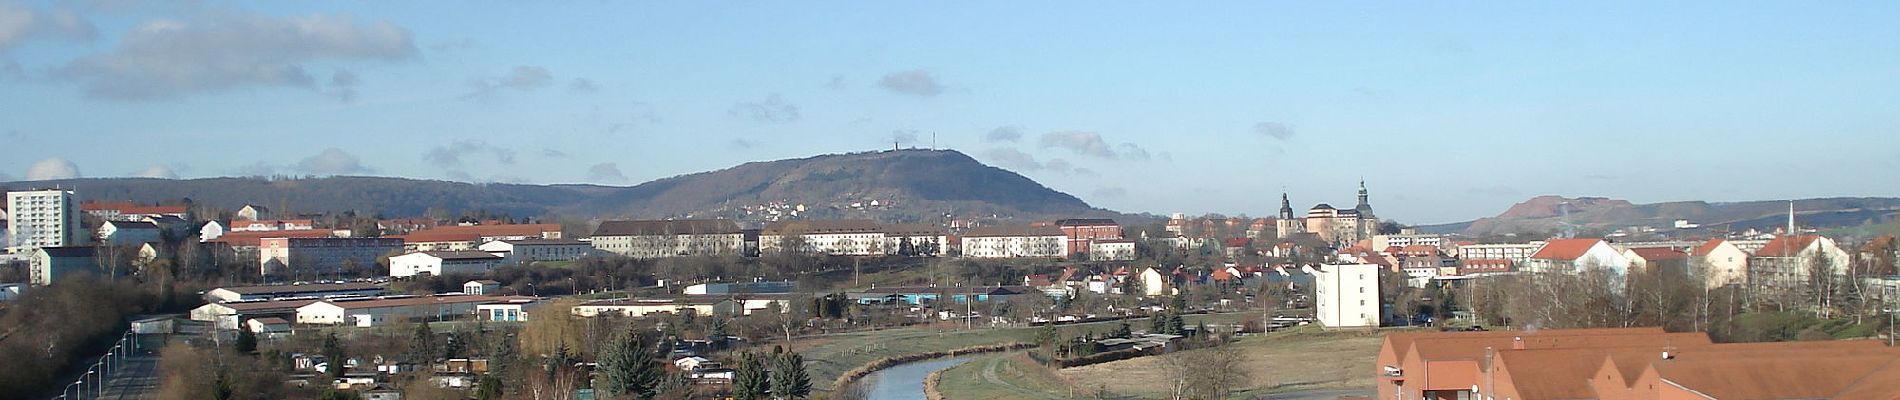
1449,110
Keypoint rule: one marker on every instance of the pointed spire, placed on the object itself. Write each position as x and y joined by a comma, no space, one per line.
1365,206
1286,207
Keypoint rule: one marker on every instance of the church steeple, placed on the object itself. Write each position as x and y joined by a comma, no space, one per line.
1286,207
1365,207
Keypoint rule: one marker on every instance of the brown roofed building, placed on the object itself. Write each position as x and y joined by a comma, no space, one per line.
670,238
1569,255
1785,263
1632,363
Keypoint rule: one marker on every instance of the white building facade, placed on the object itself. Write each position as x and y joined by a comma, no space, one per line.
439,263
1347,295
42,218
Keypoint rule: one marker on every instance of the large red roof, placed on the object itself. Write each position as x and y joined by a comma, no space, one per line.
1659,253
1786,246
1565,249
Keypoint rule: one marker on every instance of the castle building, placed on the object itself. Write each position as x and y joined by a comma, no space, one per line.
1341,227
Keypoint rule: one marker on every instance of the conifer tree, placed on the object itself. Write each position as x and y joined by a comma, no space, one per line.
752,381
789,379
628,367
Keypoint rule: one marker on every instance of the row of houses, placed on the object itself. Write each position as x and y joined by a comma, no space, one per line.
1096,238
1781,263
1628,363
365,311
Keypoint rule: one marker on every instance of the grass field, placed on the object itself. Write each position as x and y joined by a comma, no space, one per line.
1306,359
831,355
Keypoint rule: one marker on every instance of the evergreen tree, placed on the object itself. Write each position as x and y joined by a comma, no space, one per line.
677,385
1123,331
421,346
789,379
1158,323
489,388
246,341
628,367
718,333
1175,325
752,381
333,354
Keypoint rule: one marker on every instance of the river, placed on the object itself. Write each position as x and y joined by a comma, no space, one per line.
906,381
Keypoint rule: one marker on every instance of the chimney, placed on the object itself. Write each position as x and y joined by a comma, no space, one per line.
1517,343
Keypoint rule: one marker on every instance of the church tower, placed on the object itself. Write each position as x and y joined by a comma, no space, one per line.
1287,225
1365,207
1368,223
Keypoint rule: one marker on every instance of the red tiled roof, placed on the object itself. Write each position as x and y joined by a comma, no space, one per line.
1786,246
1659,253
252,238
1708,247
1565,249
1239,242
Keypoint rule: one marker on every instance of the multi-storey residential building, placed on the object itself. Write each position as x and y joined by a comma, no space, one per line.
1014,241
531,250
1112,250
1719,263
42,218
923,240
469,237
1080,232
1519,253
845,237
1380,242
1346,295
46,265
253,212
670,238
1788,262
276,256
121,233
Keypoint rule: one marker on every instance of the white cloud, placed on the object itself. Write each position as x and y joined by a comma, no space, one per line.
332,161
606,173
1132,152
51,169
773,109
915,82
225,51
157,171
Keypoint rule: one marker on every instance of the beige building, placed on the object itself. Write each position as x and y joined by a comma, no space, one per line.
1346,295
670,238
844,237
1718,263
1338,227
1787,262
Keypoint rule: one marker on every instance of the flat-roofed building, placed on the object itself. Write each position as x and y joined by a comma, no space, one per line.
379,311
283,255
1346,295
669,238
42,218
46,265
268,292
523,251
229,315
1079,232
441,263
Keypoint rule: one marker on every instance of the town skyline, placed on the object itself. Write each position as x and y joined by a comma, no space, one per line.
1446,117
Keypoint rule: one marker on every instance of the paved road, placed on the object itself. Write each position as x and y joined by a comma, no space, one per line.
138,379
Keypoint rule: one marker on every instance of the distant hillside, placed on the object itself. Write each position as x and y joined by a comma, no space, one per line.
1547,214
906,185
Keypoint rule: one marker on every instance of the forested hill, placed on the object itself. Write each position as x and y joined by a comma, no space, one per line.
906,185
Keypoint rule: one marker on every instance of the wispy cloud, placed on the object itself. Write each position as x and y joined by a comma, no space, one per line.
524,78
1274,130
1010,133
225,51
156,171
451,155
915,82
773,109
19,23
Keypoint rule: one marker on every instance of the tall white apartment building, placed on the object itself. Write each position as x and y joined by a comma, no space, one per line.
1347,295
42,218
